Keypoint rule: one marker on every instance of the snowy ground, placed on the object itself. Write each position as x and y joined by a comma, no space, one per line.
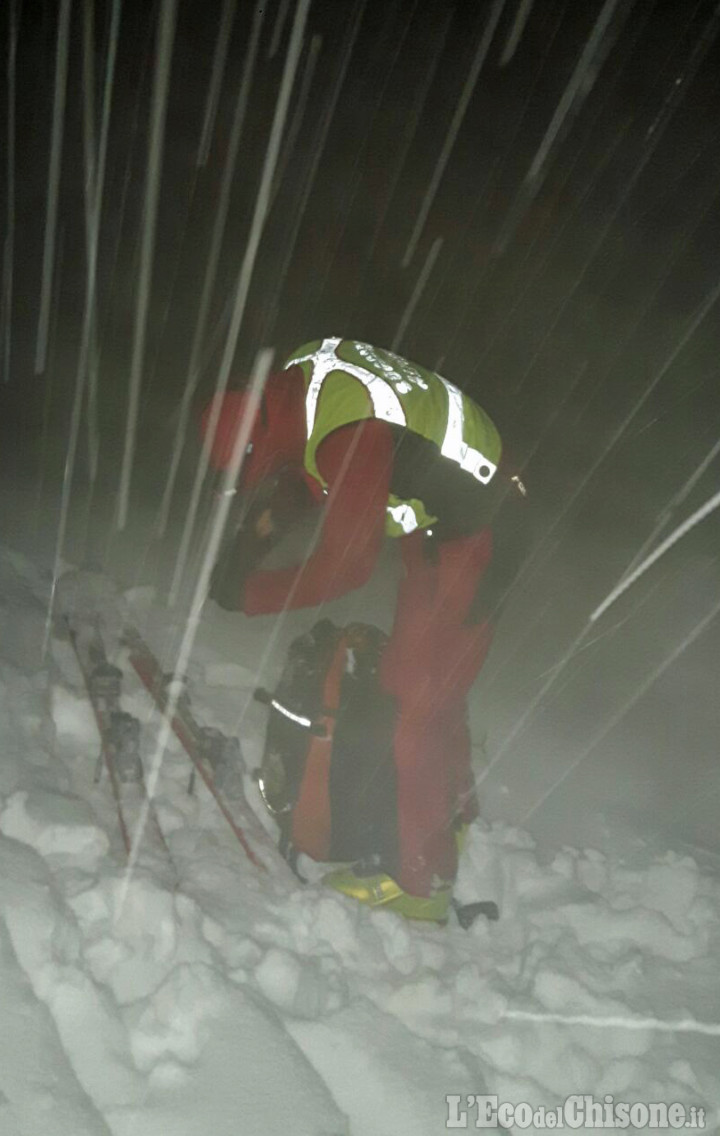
568,260
224,1001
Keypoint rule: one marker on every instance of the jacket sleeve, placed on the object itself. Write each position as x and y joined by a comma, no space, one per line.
356,462
230,416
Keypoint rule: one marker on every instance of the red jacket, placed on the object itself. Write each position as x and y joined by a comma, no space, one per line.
355,461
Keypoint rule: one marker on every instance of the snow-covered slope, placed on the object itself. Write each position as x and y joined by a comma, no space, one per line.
221,1000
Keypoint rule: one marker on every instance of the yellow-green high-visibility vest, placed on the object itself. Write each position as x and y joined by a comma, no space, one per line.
347,381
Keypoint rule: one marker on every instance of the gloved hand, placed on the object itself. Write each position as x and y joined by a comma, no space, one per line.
241,556
226,585
276,505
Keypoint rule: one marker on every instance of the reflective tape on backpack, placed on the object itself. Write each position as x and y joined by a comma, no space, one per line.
385,403
300,719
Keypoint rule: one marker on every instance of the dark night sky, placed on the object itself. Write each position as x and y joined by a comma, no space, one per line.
560,299
555,304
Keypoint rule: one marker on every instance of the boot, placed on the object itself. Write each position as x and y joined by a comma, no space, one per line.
375,888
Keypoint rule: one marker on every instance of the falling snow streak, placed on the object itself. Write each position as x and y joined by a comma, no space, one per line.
531,634
317,152
546,428
687,74
556,412
278,28
58,123
126,179
91,200
494,178
49,382
9,244
649,299
298,113
393,39
710,300
403,147
522,15
166,33
94,204
526,272
71,453
697,56
417,293
243,283
258,379
170,280
88,89
687,391
195,363
529,274
684,236
634,698
702,311
457,119
227,18
536,701
582,81
662,580
682,494
93,210
413,121
677,534
629,63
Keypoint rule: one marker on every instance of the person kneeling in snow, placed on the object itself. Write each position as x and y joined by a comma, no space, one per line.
393,449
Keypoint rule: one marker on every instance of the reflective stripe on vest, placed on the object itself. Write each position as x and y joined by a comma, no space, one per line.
453,446
385,403
387,406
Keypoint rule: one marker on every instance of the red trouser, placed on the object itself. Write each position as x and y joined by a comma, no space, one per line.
429,665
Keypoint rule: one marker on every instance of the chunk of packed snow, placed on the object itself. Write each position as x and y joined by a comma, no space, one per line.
39,1091
210,997
73,716
55,824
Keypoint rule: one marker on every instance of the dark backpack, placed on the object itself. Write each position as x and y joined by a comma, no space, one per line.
327,773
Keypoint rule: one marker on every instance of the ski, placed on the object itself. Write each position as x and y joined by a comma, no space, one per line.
119,732
214,757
